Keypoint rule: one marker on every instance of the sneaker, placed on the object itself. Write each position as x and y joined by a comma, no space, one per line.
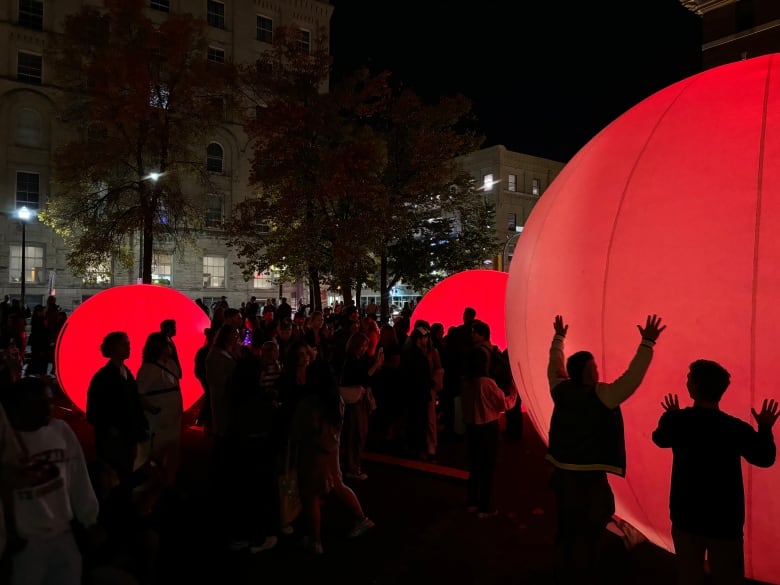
361,527
268,544
358,476
238,545
484,515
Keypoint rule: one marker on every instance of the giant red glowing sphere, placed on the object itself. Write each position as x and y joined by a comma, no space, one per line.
673,209
137,310
483,290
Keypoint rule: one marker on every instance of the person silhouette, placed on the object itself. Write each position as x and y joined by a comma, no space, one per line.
586,442
707,497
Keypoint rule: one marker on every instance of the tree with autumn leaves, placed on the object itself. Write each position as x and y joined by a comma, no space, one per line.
141,98
358,184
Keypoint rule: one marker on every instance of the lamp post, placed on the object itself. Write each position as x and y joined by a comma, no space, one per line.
24,215
153,177
504,259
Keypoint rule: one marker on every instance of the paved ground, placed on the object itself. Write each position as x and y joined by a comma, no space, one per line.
423,534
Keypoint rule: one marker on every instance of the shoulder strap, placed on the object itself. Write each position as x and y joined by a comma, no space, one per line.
162,367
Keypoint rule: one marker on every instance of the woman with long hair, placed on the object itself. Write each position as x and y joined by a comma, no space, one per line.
358,370
158,386
315,438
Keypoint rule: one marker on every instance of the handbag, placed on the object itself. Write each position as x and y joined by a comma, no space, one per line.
351,394
289,497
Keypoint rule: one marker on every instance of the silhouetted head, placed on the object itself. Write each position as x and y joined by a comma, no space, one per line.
116,345
582,369
481,329
168,326
156,348
707,380
28,403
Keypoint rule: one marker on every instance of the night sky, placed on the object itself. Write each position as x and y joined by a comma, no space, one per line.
544,76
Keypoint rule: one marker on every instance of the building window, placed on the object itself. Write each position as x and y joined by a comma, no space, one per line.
161,5
214,212
28,190
265,29
33,264
213,272
262,226
216,55
264,280
487,182
536,187
28,128
98,276
511,183
29,67
304,40
31,14
215,156
511,221
215,13
161,269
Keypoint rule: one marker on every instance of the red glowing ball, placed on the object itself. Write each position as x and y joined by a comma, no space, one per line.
483,290
673,209
137,310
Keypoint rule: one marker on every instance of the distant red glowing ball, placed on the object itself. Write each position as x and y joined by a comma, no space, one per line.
137,310
483,290
673,209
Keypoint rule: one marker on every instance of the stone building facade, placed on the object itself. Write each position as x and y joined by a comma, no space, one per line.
512,182
733,30
30,131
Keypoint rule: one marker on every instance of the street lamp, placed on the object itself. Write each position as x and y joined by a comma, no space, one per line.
504,259
24,215
153,177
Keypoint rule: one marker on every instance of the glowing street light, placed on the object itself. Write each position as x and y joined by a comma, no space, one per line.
24,215
153,177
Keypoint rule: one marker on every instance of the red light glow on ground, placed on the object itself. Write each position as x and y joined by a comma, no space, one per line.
673,209
138,310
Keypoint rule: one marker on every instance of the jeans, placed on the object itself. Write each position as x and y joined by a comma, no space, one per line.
726,558
54,560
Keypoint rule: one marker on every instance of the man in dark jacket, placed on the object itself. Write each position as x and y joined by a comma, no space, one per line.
707,499
586,442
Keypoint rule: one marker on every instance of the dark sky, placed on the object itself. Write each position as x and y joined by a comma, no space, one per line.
545,76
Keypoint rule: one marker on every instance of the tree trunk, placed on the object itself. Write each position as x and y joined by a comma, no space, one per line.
346,292
384,290
314,289
148,241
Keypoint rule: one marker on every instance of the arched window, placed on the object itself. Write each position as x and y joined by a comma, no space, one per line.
215,157
29,128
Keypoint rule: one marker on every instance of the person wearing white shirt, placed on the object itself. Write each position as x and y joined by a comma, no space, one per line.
51,488
483,402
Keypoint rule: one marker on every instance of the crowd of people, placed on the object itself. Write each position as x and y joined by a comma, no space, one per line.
297,394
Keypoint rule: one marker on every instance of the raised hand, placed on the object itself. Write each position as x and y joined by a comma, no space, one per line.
560,327
652,328
671,402
768,414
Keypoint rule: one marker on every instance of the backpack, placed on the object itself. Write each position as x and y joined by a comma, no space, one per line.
500,370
